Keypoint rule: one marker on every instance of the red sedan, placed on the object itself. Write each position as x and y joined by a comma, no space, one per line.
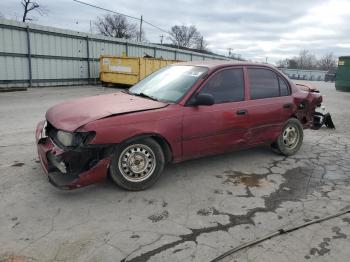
180,112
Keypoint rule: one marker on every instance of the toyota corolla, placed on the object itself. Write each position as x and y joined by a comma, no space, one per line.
180,112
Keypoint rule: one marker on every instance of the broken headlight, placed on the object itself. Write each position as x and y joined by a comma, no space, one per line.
65,138
68,139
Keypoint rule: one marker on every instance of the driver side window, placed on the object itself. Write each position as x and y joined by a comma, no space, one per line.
226,86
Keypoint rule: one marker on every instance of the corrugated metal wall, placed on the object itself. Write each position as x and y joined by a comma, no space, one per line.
33,55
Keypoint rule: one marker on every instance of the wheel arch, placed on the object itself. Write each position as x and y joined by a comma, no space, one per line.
161,140
302,119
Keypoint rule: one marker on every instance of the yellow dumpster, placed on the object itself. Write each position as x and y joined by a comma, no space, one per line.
129,70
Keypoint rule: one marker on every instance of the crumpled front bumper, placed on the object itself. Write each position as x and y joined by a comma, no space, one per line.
69,169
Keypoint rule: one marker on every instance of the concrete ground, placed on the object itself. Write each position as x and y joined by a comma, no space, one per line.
195,212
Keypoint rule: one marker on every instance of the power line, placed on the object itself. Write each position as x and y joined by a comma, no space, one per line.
163,30
104,9
129,16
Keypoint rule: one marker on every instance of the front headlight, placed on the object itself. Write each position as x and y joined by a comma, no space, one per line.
65,138
74,139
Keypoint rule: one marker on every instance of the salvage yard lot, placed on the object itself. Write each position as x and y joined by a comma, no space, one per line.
196,211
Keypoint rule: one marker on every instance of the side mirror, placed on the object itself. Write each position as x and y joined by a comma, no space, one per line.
204,99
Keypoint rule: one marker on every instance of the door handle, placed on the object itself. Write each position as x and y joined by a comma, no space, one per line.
288,105
241,112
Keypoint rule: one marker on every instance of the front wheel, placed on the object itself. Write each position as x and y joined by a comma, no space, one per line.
291,138
137,165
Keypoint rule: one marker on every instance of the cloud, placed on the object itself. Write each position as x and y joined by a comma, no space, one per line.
255,29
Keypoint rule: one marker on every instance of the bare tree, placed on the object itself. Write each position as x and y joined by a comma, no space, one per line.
186,36
327,62
283,63
116,26
30,5
306,60
201,44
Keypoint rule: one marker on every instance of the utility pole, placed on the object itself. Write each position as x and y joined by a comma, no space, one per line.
141,29
201,47
161,38
229,51
266,59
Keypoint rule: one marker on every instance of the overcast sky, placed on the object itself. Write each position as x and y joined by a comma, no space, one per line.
256,29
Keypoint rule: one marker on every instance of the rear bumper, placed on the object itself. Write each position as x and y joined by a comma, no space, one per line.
69,169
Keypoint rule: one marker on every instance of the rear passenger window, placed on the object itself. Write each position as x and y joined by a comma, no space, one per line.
226,86
263,83
284,89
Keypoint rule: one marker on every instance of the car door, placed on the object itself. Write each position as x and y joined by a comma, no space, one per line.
220,127
270,104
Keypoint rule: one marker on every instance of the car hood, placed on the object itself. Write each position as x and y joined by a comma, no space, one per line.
73,114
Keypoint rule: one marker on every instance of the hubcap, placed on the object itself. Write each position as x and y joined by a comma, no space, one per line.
290,137
137,163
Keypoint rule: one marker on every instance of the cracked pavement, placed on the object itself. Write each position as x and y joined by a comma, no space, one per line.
198,209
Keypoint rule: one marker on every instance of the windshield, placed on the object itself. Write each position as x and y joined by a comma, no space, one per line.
169,83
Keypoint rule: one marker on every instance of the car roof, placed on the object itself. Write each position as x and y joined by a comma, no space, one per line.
213,64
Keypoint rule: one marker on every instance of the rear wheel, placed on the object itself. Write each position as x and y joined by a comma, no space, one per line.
290,139
137,165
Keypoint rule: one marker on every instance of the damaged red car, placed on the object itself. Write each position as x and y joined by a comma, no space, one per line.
181,112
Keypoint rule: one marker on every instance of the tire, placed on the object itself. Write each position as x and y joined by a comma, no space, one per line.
137,165
290,139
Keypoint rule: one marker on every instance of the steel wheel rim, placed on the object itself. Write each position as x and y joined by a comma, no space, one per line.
290,136
137,163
